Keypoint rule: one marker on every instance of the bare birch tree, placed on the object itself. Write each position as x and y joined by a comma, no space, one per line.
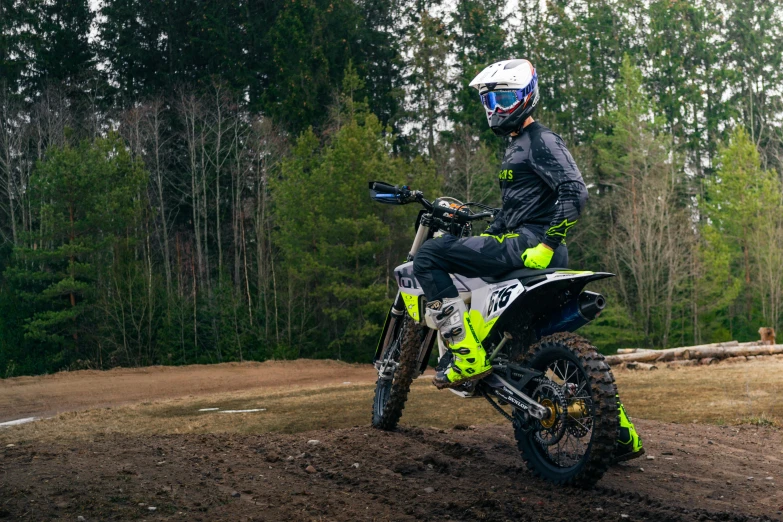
650,248
157,163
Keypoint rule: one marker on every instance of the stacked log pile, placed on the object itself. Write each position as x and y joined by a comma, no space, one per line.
731,351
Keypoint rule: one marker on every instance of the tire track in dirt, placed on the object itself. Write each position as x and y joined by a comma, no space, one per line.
411,474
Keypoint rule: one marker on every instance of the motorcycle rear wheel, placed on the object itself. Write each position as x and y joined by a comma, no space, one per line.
587,428
392,392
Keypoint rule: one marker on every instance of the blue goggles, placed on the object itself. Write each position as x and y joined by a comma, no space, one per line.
506,100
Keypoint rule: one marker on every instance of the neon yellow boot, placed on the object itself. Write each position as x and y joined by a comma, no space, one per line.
470,360
629,443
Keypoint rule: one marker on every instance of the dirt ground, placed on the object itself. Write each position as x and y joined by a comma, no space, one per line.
47,395
698,473
141,448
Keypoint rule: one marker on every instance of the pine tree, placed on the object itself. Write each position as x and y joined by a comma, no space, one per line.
89,202
685,78
378,59
63,54
330,234
17,38
134,40
310,44
428,79
478,39
754,29
743,207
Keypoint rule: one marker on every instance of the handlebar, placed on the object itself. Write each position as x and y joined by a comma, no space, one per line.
465,216
395,195
473,217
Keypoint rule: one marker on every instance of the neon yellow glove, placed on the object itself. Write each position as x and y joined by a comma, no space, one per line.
538,257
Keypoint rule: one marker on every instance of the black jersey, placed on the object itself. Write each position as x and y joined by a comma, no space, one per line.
540,185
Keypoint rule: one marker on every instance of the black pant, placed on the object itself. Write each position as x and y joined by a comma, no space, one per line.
474,257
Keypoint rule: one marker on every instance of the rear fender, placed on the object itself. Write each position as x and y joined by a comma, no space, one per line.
545,295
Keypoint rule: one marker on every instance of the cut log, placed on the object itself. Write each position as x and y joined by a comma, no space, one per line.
697,352
717,351
638,357
634,350
661,355
768,349
730,351
690,352
707,360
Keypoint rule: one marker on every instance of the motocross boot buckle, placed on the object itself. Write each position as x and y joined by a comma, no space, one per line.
629,443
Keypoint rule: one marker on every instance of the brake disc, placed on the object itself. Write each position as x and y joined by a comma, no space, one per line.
550,396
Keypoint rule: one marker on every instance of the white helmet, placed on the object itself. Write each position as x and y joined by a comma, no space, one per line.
509,93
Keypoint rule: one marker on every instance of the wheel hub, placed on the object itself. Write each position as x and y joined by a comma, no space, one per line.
550,419
549,395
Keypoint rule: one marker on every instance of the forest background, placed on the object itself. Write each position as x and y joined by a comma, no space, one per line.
184,181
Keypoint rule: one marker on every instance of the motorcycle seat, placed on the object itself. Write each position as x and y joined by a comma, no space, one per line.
521,273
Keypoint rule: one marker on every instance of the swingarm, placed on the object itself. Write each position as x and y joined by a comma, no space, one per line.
505,383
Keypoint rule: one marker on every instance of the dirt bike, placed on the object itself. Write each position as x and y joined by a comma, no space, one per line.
559,389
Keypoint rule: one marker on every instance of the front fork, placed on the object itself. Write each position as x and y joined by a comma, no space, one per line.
394,318
398,307
391,328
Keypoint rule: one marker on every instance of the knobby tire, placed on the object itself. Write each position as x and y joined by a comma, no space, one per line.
389,416
605,420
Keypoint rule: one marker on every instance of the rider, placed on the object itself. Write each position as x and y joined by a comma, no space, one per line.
543,195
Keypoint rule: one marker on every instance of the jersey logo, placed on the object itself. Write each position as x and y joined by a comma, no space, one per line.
562,229
506,175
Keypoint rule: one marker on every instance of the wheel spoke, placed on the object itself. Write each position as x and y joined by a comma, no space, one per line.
557,372
574,419
568,377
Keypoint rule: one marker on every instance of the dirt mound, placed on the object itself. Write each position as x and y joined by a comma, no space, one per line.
698,473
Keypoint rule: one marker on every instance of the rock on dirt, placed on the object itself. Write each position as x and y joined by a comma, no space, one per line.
311,469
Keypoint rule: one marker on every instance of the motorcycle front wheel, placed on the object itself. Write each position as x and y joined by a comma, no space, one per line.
575,443
397,370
